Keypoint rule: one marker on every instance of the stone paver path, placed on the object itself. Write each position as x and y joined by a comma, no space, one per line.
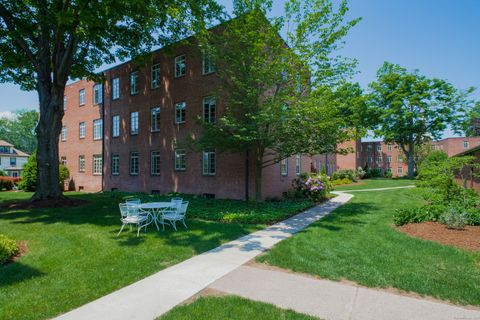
332,300
156,294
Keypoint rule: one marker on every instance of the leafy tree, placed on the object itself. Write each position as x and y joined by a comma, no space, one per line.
408,108
282,97
19,130
44,43
29,174
472,125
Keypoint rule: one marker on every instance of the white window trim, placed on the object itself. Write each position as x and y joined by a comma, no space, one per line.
96,173
151,119
96,121
133,75
209,153
157,154
130,163
133,133
177,75
183,106
117,172
115,88
210,99
80,136
284,164
155,67
81,101
115,134
184,153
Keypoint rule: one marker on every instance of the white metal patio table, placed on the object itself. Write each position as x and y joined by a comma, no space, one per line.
156,209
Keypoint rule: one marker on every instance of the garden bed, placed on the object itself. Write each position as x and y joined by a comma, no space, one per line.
469,238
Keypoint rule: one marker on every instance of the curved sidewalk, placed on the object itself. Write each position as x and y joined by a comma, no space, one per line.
158,293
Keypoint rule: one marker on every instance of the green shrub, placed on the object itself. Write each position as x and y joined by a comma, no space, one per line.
8,248
349,174
2,173
473,216
455,218
29,174
338,182
313,186
388,174
373,173
416,215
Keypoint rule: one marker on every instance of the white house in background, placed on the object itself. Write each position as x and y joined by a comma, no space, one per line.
11,160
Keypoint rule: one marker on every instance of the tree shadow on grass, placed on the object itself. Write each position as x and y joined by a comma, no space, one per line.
17,272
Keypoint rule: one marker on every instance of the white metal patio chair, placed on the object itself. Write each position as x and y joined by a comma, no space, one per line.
133,201
172,216
132,214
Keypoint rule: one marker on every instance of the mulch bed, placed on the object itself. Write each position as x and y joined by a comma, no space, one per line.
469,238
54,203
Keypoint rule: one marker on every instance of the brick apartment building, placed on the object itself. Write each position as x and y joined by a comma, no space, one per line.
129,133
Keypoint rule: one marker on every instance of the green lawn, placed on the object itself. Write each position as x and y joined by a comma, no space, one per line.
358,242
376,183
74,256
231,307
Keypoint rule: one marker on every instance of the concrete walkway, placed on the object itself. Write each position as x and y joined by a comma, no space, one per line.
332,300
156,294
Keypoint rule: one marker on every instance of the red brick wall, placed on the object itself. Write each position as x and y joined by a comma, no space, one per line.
377,155
74,146
350,160
453,146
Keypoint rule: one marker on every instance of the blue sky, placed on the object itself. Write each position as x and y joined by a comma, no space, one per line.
439,37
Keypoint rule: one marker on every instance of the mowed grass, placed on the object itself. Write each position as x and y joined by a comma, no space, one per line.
231,307
75,257
376,183
358,242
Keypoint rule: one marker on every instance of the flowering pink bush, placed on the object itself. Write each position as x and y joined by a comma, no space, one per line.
314,186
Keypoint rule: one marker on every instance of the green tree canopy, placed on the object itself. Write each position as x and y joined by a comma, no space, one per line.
19,130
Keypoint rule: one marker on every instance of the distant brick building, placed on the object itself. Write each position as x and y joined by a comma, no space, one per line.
129,133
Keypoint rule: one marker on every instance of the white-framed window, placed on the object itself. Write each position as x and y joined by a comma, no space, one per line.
155,163
369,147
466,145
64,133
298,164
370,159
208,64
209,109
81,130
180,112
97,129
379,159
180,159
115,88
209,163
64,103
389,159
115,164
400,159
180,66
155,76
134,122
81,97
97,164
81,163
63,160
379,147
400,170
116,126
389,147
155,119
284,167
97,93
134,82
134,163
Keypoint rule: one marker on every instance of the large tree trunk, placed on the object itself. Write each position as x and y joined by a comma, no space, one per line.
411,160
258,174
48,131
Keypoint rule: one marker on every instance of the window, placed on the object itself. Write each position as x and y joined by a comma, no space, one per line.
155,163
134,82
209,162
115,88
155,119
81,130
63,160
466,145
379,147
379,159
134,122
389,159
370,159
284,167
64,133
399,159
115,126
208,64
134,163
81,163
180,160
97,164
369,147
97,129
209,106
155,76
180,111
389,147
180,66
64,103
400,170
115,164
13,162
98,93
82,97
298,164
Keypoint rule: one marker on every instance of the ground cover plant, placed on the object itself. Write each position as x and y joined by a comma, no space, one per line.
358,242
231,307
75,257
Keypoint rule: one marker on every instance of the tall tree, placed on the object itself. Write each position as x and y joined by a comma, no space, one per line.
44,43
410,109
282,96
472,125
19,130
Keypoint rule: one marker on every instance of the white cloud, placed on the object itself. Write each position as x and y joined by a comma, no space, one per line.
7,114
